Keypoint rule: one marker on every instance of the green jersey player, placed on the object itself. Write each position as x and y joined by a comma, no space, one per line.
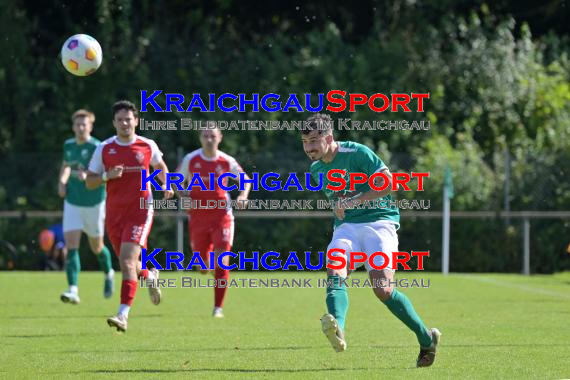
367,229
83,209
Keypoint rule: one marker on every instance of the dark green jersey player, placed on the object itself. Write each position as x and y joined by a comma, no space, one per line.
353,157
367,229
76,156
83,209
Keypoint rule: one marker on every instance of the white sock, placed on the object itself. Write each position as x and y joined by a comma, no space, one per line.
124,310
73,289
151,275
109,275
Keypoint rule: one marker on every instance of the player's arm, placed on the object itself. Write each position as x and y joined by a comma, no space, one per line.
182,193
242,197
183,169
161,165
369,164
366,196
374,194
64,173
94,180
158,163
244,194
96,174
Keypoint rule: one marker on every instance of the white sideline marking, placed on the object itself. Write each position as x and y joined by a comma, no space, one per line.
526,288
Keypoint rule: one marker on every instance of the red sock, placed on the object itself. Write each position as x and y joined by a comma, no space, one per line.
128,291
220,292
143,273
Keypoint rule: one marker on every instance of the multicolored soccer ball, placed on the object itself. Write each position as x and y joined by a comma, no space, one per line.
81,55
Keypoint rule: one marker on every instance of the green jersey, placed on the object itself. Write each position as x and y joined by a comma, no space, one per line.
356,158
77,156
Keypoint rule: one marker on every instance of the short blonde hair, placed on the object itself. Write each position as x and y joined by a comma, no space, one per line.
83,113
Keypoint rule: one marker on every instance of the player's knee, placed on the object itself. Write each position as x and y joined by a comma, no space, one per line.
383,293
97,248
127,263
337,272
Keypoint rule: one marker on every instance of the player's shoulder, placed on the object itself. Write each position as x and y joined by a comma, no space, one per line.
351,147
146,140
225,157
315,166
110,141
192,155
94,141
106,145
69,141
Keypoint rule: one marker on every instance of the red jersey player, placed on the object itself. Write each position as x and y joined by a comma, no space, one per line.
118,161
212,229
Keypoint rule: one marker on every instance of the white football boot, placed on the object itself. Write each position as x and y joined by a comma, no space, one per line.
333,332
154,290
70,297
109,285
218,312
119,321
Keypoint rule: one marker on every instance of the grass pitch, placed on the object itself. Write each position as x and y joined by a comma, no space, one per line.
494,326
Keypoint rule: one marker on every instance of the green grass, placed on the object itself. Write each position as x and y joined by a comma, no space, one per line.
494,326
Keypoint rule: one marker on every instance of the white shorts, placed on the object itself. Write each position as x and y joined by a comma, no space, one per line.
91,220
368,238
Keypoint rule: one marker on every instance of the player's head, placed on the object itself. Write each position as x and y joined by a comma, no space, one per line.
211,137
125,118
317,136
82,124
46,240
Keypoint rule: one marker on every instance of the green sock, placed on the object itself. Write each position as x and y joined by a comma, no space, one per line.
72,266
402,307
337,299
104,258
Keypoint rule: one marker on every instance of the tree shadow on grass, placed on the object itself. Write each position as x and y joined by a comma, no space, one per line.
193,349
75,316
235,370
59,335
477,345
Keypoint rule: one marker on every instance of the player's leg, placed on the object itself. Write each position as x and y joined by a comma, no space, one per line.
201,241
93,222
333,323
383,237
72,267
60,254
401,306
151,275
222,237
139,234
221,287
72,227
103,255
131,271
128,260
133,238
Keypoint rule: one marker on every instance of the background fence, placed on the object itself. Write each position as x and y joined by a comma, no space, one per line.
523,251
484,237
498,75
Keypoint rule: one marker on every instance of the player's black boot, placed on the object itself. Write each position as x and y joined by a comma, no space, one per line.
427,354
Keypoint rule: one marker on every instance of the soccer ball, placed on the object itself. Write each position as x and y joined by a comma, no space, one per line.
81,55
